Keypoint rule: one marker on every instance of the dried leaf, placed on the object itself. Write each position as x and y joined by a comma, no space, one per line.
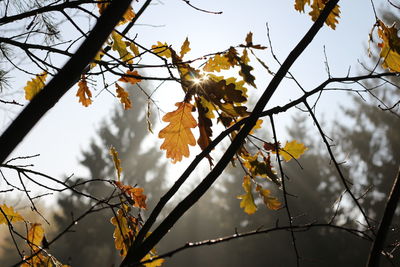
217,63
135,194
35,85
117,161
132,77
177,134
124,231
316,7
84,93
123,97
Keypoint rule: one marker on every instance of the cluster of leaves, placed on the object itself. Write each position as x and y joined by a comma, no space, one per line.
316,7
35,240
126,225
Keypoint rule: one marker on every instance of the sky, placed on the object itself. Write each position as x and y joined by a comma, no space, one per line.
67,129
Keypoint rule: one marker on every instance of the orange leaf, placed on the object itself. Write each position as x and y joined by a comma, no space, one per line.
177,134
134,193
84,93
129,78
35,236
123,232
123,96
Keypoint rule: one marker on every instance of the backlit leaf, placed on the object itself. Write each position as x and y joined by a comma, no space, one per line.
185,47
217,63
132,77
270,201
117,161
316,7
124,232
11,215
177,134
390,47
128,16
98,57
84,93
123,97
261,168
247,202
161,49
135,194
155,263
35,236
204,127
120,46
35,85
292,150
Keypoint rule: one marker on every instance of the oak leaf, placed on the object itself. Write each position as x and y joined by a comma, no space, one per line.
217,63
316,8
177,134
390,47
128,16
291,150
35,85
270,201
131,77
84,93
124,231
123,96
185,47
8,215
135,194
161,49
204,127
120,46
247,202
261,168
35,236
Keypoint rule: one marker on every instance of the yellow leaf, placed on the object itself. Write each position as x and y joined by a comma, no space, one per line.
259,168
35,85
155,263
316,7
98,57
185,47
161,49
292,150
128,16
84,93
177,134
390,47
134,48
129,78
247,202
120,46
271,202
35,236
123,234
117,161
10,214
123,96
217,63
209,106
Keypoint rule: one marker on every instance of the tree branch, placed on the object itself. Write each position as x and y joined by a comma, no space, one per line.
63,81
135,255
391,205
